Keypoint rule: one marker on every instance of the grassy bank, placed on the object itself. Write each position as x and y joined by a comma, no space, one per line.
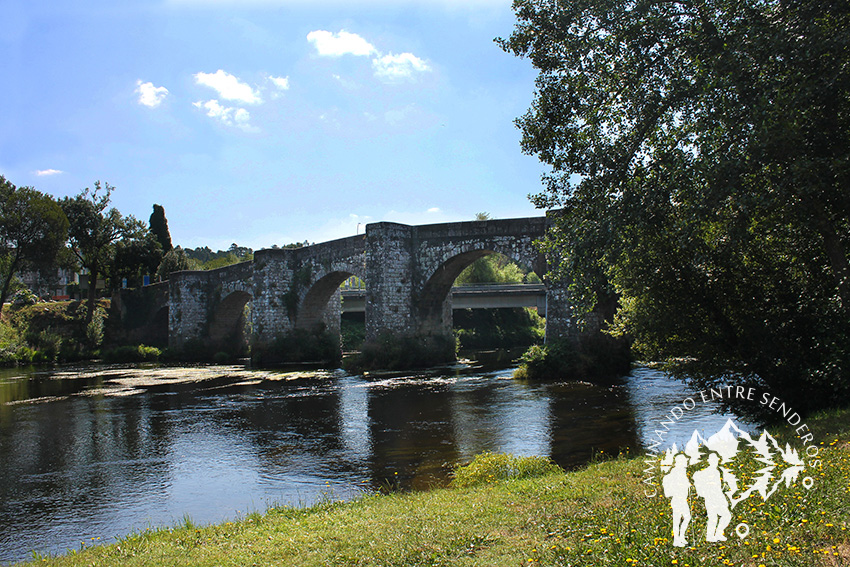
595,516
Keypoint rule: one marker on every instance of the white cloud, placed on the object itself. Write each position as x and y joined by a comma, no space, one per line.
396,116
433,210
389,68
150,95
46,172
398,67
337,44
229,87
227,115
281,83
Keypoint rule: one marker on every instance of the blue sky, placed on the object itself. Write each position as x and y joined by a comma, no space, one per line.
266,122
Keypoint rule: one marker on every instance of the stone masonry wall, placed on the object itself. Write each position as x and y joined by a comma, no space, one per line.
408,272
389,279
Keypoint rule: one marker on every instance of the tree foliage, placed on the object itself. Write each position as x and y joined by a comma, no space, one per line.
136,257
94,230
33,229
700,152
175,260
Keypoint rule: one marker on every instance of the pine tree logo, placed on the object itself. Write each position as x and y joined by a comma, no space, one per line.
718,468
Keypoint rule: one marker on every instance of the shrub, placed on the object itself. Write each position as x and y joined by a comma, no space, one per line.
222,357
498,328
139,353
94,329
591,356
391,352
47,345
299,345
10,344
24,297
488,468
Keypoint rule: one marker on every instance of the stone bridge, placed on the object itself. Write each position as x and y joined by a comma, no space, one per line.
408,273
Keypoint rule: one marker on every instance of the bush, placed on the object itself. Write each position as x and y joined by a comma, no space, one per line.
139,353
488,468
498,328
352,333
222,357
299,345
47,346
10,344
94,329
391,352
24,297
591,356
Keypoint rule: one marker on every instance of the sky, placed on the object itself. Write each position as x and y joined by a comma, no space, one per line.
267,122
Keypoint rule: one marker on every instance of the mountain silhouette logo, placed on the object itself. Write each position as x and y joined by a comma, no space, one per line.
725,469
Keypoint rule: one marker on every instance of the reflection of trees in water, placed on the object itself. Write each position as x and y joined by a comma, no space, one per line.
588,419
106,459
412,435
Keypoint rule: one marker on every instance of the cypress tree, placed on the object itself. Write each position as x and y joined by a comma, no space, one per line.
159,227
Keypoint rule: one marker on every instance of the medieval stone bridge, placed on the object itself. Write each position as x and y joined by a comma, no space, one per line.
408,273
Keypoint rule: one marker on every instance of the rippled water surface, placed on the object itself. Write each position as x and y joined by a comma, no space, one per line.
99,452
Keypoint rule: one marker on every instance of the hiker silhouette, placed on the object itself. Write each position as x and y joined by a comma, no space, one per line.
676,487
708,484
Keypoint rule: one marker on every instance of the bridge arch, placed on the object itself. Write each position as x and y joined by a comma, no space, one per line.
318,307
434,301
228,321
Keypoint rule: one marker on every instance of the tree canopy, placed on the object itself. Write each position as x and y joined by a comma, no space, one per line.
700,153
33,229
94,230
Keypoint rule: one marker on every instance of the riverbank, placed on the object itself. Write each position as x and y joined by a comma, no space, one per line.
598,515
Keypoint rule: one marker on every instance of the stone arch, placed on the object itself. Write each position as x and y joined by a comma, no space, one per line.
435,256
227,322
315,308
434,304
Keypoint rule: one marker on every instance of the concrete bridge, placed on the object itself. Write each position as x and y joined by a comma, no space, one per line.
408,273
471,296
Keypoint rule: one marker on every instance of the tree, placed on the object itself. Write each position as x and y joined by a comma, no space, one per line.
159,227
174,261
94,230
135,258
33,229
700,152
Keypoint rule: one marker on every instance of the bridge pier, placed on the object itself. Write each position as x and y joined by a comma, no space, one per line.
389,280
559,321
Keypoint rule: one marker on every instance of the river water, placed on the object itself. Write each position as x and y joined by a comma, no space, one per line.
91,454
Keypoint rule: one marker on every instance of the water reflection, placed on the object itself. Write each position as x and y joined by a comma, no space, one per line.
100,453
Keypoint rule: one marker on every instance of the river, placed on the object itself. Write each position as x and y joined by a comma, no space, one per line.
93,453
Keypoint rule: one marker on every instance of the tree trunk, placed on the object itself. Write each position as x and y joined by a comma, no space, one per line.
7,283
835,252
93,273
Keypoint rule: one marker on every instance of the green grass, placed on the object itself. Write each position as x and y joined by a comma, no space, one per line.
538,516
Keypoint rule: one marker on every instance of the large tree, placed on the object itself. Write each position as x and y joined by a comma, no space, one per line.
700,152
94,230
33,229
